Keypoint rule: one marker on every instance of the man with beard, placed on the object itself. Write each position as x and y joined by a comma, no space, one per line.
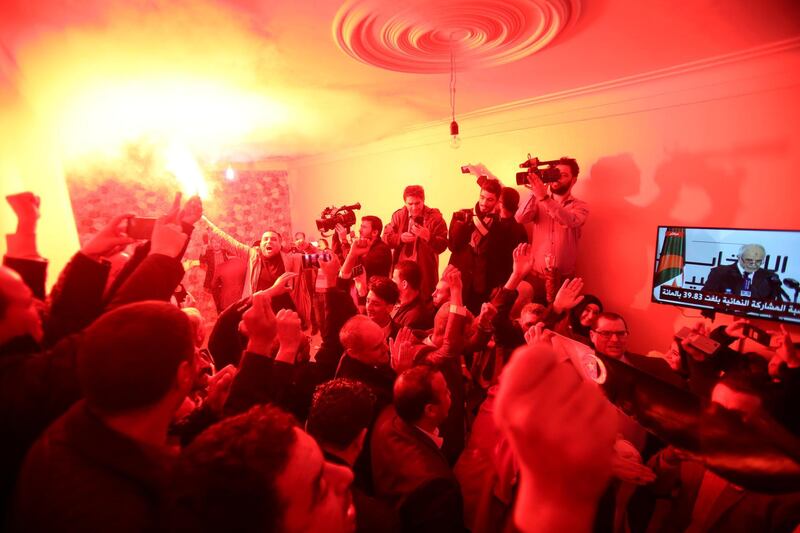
477,242
557,218
746,277
266,264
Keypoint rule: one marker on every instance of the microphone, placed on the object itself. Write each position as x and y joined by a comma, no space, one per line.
792,283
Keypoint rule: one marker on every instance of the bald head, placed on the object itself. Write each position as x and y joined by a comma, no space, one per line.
364,341
18,313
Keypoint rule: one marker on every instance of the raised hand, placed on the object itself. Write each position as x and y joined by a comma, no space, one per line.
109,240
786,350
330,268
569,295
260,325
282,285
537,334
289,333
488,312
26,208
192,211
219,387
562,431
168,237
522,259
453,279
401,350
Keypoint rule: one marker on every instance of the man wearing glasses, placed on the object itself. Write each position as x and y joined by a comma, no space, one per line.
610,339
746,277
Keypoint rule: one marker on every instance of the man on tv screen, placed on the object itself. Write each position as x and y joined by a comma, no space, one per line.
745,277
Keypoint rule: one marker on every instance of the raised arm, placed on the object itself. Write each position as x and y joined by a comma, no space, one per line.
228,243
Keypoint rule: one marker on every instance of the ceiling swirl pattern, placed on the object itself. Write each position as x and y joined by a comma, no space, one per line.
418,36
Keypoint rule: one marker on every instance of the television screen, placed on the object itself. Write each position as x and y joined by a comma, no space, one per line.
737,271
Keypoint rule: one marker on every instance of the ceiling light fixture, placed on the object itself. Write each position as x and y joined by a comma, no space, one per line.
455,140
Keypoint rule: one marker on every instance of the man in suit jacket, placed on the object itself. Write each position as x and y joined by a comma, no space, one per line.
746,277
408,466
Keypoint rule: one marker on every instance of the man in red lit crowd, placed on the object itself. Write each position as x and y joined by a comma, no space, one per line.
266,264
557,218
377,261
414,309
258,471
418,233
478,240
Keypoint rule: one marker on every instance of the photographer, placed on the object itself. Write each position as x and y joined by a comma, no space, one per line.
378,260
418,233
557,218
478,235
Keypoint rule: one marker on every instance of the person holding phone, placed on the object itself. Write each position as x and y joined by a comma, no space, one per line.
417,233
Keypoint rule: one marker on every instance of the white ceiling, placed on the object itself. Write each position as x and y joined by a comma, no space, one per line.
287,51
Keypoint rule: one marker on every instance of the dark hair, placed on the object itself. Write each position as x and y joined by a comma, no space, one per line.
492,186
385,289
408,270
340,410
129,357
276,232
509,198
374,222
575,314
299,233
413,390
414,190
225,479
608,315
572,164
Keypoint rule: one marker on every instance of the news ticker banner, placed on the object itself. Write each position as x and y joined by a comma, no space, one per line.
731,303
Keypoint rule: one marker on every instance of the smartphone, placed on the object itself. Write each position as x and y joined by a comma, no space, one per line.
465,170
704,344
140,228
757,334
358,270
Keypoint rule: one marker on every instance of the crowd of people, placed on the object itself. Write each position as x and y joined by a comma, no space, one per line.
439,398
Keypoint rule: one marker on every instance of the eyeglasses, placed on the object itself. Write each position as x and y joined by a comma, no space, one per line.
752,261
609,334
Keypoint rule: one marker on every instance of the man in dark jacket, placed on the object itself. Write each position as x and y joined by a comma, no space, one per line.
419,233
102,466
408,465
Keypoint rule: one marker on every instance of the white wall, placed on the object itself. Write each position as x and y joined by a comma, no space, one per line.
713,143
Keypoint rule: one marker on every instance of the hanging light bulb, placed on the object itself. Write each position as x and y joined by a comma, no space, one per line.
455,140
230,174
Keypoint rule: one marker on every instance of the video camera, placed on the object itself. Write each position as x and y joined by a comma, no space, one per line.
337,215
547,175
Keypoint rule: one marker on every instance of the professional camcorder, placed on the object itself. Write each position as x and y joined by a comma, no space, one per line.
547,175
337,215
